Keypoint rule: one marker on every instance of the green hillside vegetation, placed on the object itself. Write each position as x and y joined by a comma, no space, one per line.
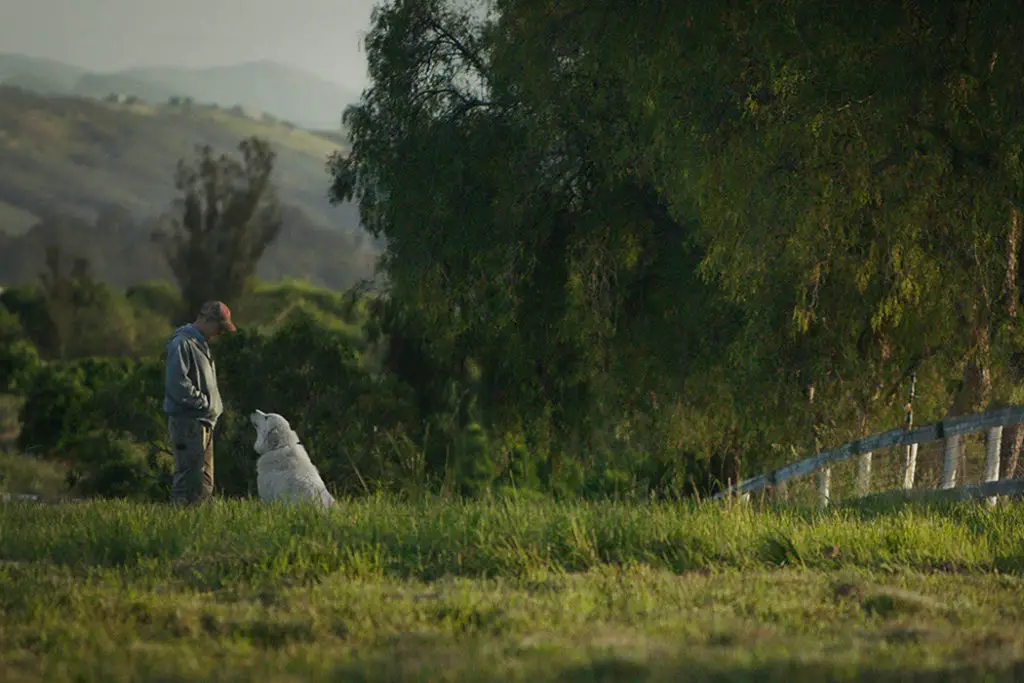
94,176
72,155
123,254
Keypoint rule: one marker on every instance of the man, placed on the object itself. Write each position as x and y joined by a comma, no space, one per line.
192,401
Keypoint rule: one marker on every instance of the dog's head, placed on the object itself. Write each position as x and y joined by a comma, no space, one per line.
272,432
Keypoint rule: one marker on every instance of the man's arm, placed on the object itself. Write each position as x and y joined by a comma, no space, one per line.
178,385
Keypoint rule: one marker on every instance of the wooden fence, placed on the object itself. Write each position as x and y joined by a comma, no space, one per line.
950,433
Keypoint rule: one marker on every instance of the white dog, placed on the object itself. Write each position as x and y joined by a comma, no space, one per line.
284,470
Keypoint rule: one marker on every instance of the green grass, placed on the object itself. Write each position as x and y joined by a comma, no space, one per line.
509,590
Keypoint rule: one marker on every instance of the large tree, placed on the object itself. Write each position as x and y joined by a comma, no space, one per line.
855,171
513,232
228,215
738,206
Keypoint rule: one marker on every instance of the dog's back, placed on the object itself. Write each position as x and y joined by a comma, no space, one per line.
286,472
289,475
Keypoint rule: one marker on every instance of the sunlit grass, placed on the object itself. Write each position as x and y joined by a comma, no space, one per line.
509,590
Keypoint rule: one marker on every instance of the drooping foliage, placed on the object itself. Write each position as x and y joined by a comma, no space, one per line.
699,228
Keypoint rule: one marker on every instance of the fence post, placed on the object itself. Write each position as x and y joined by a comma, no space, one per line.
738,497
993,441
950,461
824,483
910,466
910,459
864,474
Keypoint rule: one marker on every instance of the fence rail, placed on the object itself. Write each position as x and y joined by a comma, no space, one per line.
951,432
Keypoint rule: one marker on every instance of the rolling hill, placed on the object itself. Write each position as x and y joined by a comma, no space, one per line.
304,99
45,76
291,94
71,161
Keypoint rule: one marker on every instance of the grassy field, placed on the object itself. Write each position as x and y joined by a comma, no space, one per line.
509,590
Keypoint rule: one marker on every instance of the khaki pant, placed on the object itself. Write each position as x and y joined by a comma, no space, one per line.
192,441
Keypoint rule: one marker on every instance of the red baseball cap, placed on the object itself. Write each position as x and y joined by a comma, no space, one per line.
219,311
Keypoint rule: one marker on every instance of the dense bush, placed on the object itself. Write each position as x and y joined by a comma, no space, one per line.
158,297
19,358
376,405
103,417
110,464
359,428
79,318
28,306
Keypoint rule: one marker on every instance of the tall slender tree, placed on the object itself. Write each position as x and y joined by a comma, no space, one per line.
227,216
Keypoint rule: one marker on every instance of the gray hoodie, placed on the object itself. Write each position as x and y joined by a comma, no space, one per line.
190,379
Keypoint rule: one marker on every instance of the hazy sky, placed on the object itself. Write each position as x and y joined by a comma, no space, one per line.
322,36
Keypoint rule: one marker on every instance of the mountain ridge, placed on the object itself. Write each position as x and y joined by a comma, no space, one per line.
285,91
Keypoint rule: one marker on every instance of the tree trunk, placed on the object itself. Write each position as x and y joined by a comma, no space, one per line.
1012,288
1013,435
973,392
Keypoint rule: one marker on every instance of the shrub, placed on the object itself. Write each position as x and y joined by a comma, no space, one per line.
55,409
112,466
103,418
474,463
350,421
367,430
93,319
156,307
21,474
158,297
73,398
79,318
29,307
19,359
105,415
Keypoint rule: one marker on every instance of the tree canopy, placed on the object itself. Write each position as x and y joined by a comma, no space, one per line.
700,228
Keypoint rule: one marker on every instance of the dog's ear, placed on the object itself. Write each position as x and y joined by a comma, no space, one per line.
273,437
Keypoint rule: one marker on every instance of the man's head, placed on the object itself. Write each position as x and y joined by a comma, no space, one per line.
214,319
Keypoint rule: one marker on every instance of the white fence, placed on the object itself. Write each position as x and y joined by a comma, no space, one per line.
965,450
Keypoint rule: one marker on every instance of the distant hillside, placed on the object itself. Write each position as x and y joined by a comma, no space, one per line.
40,75
71,160
121,253
76,156
287,93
